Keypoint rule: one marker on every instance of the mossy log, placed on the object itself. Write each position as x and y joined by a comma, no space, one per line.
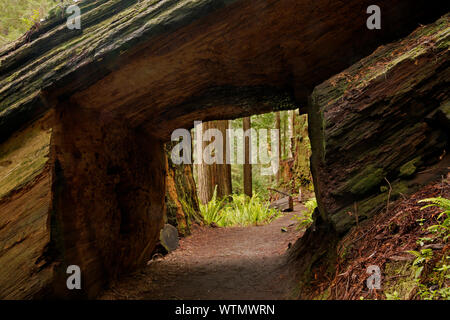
198,55
181,195
379,122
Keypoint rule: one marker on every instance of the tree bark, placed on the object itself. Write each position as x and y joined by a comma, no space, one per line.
277,127
247,165
222,174
205,173
292,133
285,133
181,195
212,175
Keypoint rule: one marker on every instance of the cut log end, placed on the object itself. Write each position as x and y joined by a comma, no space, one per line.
285,204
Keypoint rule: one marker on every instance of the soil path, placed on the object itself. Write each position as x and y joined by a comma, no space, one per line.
219,263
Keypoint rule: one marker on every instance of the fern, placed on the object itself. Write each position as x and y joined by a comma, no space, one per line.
442,228
239,211
443,203
211,210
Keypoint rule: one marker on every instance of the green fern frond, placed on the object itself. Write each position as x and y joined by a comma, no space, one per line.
437,202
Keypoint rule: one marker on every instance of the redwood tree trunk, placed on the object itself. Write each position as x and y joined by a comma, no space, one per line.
292,133
212,175
222,175
205,173
277,127
247,164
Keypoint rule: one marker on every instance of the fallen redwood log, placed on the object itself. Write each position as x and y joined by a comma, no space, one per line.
284,204
84,115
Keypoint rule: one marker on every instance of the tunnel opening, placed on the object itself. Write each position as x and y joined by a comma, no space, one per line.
232,259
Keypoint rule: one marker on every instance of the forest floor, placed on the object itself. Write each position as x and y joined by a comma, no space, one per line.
238,263
384,241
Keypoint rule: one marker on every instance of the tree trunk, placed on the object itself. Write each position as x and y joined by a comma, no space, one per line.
181,195
205,172
277,127
212,175
292,133
285,131
222,174
247,164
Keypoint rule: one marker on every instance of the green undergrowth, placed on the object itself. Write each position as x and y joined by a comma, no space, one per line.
433,269
238,210
427,277
17,16
306,219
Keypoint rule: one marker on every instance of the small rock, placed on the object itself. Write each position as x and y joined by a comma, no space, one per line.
283,229
169,237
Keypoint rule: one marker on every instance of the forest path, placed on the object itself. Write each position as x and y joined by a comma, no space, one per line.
239,263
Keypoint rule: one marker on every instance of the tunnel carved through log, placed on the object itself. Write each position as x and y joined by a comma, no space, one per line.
117,89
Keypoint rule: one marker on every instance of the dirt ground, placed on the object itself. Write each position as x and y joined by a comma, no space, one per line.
242,263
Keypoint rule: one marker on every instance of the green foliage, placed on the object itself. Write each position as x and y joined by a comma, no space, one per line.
393,296
305,220
260,183
434,285
422,257
211,210
436,288
17,16
442,228
426,294
240,210
421,241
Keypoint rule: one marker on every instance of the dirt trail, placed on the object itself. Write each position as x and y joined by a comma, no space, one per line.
219,263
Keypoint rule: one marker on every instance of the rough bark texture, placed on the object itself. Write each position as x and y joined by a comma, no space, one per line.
215,176
302,145
119,87
295,173
205,171
384,117
248,186
25,209
181,195
223,171
109,187
278,127
187,60
378,123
